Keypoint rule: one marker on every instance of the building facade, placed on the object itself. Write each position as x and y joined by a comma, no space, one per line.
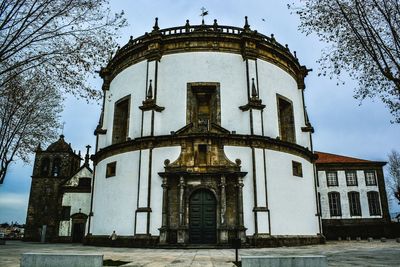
204,138
59,199
352,197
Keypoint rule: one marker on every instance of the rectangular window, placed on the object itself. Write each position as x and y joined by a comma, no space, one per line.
202,152
351,178
331,178
286,120
111,169
354,203
121,120
334,204
373,203
370,178
65,213
297,169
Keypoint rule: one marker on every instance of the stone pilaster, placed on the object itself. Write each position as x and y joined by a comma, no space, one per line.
164,220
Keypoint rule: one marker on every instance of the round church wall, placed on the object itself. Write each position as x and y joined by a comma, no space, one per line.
204,138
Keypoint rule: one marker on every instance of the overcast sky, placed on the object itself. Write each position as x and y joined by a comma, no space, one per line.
342,125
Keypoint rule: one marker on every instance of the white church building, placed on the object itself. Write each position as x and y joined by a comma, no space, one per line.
203,138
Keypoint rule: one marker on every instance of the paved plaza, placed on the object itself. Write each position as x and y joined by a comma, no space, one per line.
339,253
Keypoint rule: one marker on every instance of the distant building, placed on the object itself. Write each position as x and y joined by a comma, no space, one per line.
59,200
352,197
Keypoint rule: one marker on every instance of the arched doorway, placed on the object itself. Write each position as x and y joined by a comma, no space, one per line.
78,227
202,217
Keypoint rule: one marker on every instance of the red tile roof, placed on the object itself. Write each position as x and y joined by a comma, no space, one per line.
332,158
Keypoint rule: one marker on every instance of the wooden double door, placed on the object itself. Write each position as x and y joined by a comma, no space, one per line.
202,217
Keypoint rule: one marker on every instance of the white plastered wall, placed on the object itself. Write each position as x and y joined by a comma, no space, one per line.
131,81
79,202
115,198
177,70
273,81
290,198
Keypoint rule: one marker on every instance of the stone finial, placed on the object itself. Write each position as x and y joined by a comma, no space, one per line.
149,94
246,24
254,93
238,162
215,25
87,155
187,26
155,27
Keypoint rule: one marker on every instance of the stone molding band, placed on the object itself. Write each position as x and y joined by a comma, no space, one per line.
150,142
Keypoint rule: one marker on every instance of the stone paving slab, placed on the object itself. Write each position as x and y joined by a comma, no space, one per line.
338,253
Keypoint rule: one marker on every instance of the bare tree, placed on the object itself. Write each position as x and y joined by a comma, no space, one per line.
47,48
29,113
365,41
394,174
64,39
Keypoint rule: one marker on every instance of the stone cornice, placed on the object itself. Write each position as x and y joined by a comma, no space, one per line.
350,165
250,44
222,139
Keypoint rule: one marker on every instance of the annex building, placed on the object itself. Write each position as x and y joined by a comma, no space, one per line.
203,138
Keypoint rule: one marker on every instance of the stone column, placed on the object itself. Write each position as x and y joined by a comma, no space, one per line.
164,220
223,231
182,235
240,218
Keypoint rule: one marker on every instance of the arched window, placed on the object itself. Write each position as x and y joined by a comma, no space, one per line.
373,203
354,203
44,167
56,171
334,204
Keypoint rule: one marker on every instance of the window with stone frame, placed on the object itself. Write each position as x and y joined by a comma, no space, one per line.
56,170
354,203
203,105
121,120
286,120
332,178
65,213
374,203
351,178
111,169
334,204
370,178
297,169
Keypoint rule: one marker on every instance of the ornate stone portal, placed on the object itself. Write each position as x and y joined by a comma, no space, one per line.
203,170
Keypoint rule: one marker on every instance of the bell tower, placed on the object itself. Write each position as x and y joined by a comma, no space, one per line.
52,167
